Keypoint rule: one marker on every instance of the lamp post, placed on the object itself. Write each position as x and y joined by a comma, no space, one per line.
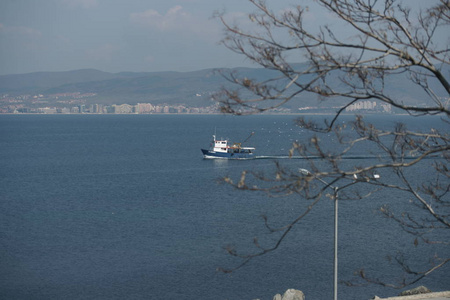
335,196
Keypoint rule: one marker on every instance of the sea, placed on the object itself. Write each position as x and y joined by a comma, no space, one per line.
125,207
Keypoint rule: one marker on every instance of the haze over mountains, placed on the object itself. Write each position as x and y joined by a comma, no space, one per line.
190,88
124,87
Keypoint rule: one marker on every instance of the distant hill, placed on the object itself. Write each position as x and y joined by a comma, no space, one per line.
191,88
40,81
160,87
195,87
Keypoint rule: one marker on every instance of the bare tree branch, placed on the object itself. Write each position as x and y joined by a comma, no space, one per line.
382,40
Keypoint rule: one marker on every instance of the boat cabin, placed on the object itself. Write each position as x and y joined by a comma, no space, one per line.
222,146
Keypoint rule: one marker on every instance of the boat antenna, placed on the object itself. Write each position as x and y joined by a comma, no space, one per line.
251,134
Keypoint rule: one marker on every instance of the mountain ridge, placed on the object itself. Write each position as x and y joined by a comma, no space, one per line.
193,88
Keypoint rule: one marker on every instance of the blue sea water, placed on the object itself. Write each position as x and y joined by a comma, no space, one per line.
124,207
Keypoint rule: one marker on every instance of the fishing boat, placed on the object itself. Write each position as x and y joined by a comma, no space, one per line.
223,149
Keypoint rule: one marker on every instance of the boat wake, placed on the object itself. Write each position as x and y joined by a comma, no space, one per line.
348,157
311,157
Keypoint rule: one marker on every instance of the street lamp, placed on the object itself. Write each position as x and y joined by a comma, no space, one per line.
335,196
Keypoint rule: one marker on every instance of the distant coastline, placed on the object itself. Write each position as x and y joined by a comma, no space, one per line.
217,114
94,91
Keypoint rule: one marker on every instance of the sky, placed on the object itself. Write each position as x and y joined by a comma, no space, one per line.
115,35
121,35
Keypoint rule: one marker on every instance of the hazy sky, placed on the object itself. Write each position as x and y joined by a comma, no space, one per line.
114,35
118,35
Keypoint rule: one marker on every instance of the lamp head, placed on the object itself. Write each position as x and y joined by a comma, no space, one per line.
304,171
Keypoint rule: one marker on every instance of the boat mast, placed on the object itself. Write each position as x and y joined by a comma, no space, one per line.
251,134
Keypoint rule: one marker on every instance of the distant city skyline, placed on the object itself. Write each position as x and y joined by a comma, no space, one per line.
77,103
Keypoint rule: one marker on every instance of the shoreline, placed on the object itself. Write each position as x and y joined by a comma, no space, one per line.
215,114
